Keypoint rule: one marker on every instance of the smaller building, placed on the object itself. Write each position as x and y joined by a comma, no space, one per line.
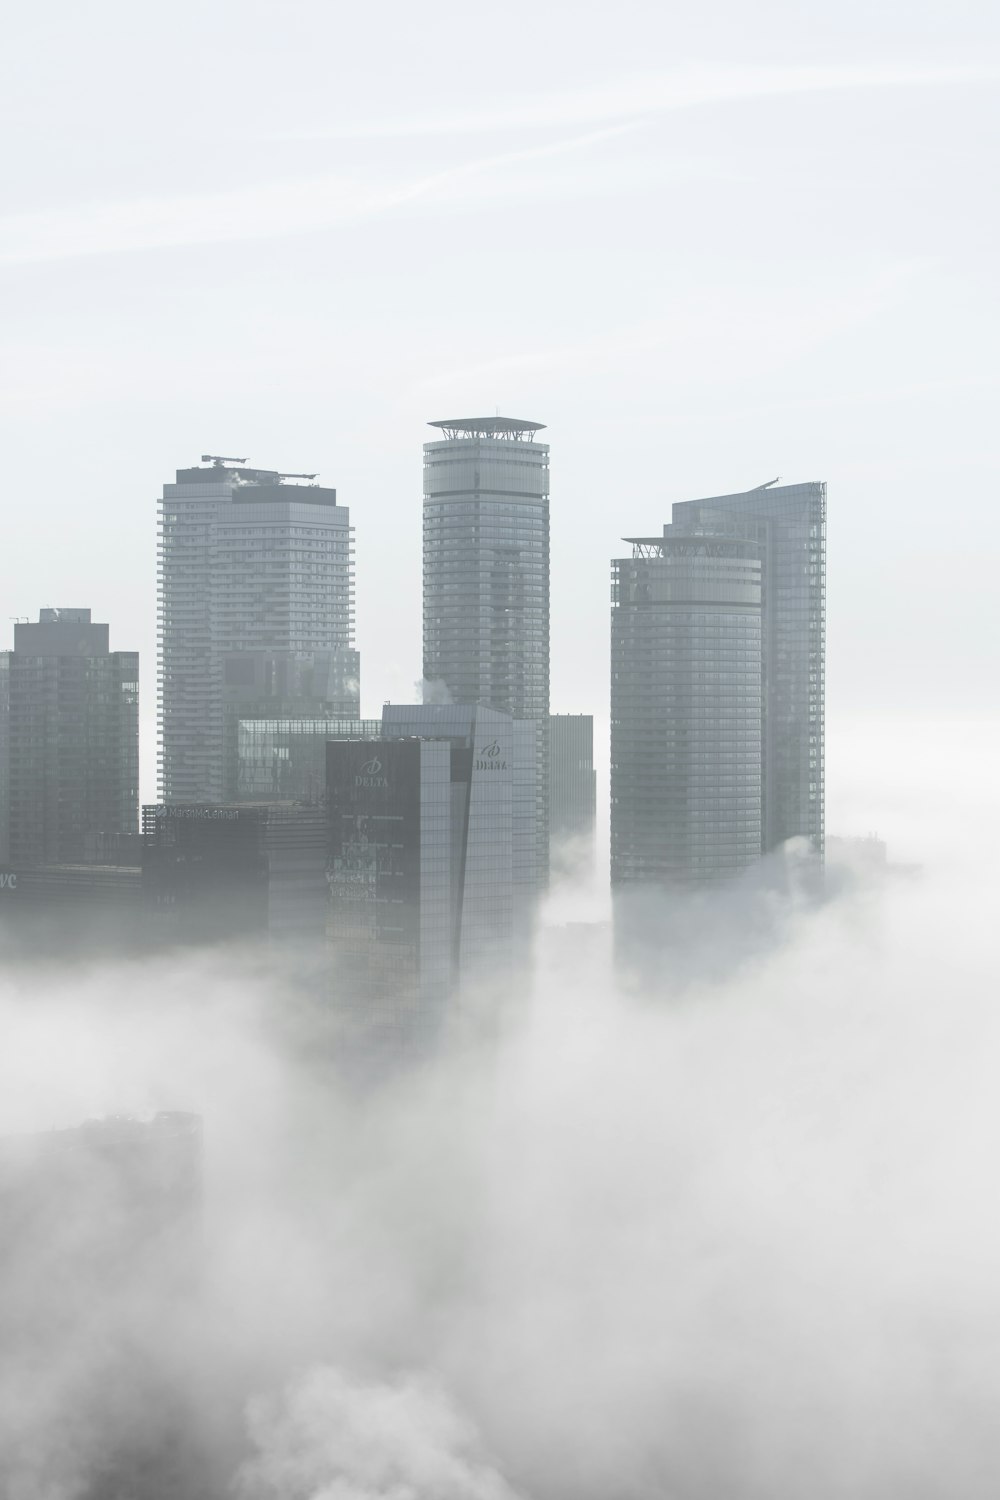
283,758
572,794
431,869
234,874
69,740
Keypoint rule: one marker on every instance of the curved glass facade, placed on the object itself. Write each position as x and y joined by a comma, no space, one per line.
686,729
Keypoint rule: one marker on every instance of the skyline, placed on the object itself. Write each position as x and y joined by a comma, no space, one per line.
704,249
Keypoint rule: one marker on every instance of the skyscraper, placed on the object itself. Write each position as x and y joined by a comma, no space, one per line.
790,522
69,740
717,687
256,615
486,575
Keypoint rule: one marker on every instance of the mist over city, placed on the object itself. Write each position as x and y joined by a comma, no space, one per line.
498,981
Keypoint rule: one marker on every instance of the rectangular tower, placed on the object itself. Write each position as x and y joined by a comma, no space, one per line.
486,575
256,615
69,740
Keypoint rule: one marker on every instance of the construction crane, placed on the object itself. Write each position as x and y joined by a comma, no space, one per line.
298,476
766,486
218,460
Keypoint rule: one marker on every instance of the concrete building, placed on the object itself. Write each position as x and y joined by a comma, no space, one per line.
572,793
717,688
256,615
486,576
69,741
430,868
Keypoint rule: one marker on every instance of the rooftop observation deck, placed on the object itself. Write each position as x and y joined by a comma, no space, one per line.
509,429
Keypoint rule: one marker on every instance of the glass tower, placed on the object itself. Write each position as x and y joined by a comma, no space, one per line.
686,667
790,523
256,616
69,726
717,692
486,575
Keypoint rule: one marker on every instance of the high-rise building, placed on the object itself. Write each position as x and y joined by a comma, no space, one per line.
69,741
256,616
790,522
717,683
572,792
486,575
428,865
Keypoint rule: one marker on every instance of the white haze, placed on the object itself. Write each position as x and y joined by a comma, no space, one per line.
733,1236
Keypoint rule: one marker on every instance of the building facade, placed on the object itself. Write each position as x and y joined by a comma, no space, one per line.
429,865
225,873
284,759
486,576
572,792
69,741
256,616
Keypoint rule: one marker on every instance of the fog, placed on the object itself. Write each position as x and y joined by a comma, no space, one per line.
731,1232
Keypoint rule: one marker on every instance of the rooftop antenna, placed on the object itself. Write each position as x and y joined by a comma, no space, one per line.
218,460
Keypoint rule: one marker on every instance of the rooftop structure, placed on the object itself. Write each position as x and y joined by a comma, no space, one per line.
507,429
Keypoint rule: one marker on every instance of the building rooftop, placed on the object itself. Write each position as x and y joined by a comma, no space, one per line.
514,429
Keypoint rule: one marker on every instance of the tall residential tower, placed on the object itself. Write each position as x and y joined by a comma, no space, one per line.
486,575
256,615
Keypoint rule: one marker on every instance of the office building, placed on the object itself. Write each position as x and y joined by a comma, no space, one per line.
284,759
256,616
69,741
572,793
430,867
717,688
231,873
486,576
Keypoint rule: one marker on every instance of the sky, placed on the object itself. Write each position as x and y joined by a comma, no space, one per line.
705,245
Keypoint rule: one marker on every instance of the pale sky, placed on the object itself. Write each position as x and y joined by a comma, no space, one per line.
705,246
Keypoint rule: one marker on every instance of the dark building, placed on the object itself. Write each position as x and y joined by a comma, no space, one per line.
100,1267
572,793
71,911
234,873
430,867
256,615
69,741
717,687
